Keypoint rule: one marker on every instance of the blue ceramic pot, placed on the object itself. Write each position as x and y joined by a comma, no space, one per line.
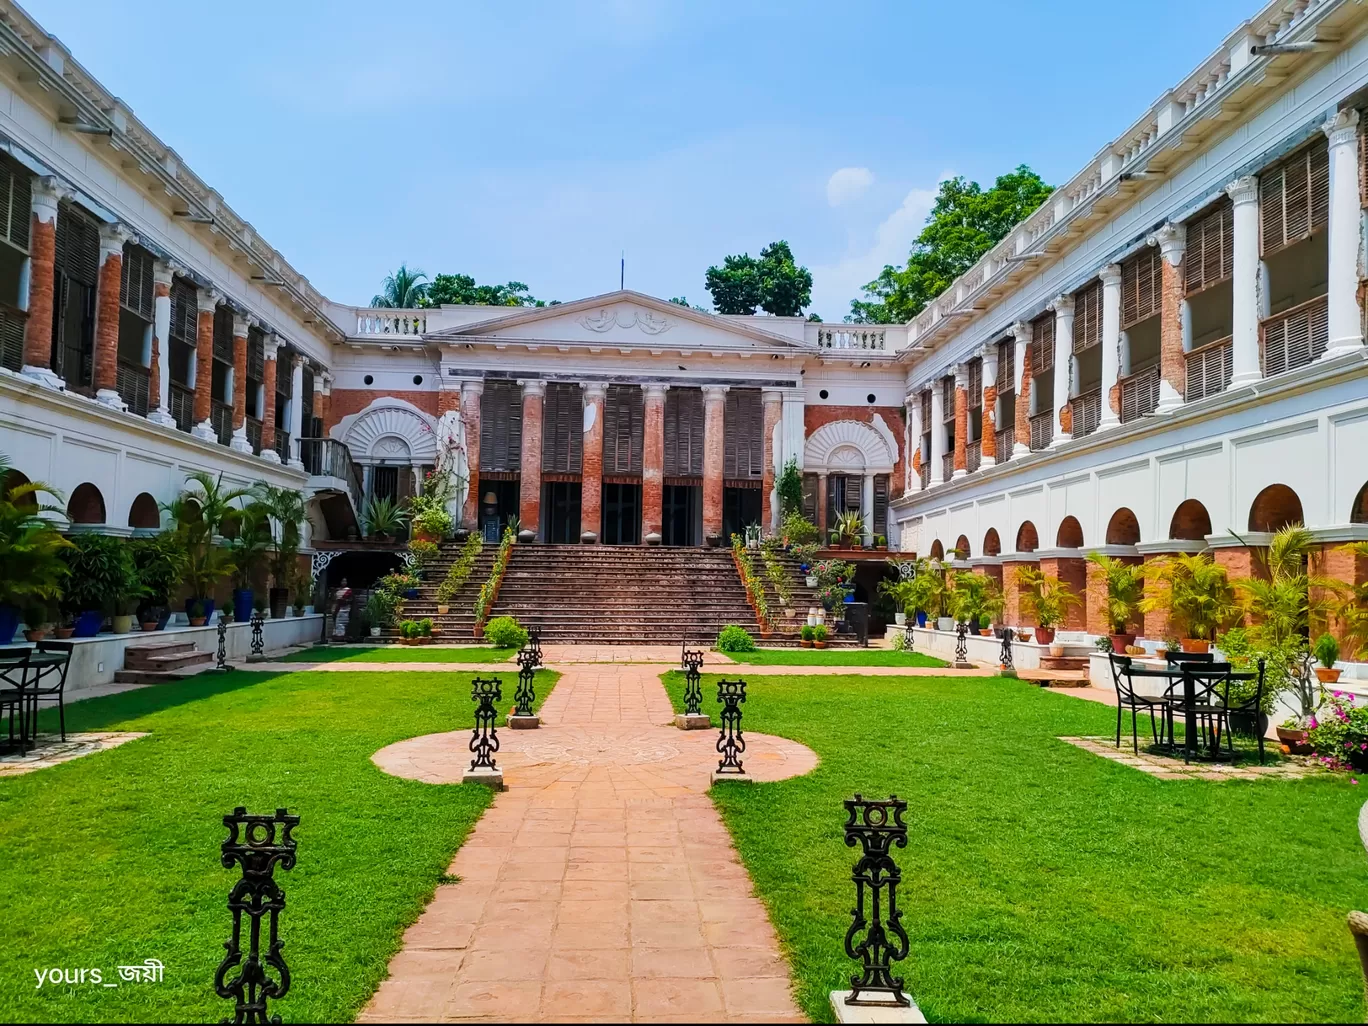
411,593
921,618
208,604
88,624
9,623
242,605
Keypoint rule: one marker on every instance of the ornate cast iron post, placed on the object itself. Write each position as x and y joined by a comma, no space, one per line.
257,844
961,643
730,742
1005,657
693,717
876,826
258,645
221,661
484,739
525,694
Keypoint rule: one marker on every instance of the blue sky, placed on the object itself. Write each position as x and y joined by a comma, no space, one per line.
535,143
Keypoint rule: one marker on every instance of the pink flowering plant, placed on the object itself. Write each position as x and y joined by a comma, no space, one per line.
1339,733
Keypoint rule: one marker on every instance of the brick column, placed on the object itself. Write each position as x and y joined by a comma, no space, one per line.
46,193
471,391
208,301
773,402
1070,570
1339,562
240,325
530,480
1022,431
1172,242
961,420
823,539
714,427
591,477
159,386
988,415
107,286
653,466
270,364
1017,610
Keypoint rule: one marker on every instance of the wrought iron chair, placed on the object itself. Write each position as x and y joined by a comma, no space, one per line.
1210,679
49,682
1247,707
13,676
1188,657
1128,698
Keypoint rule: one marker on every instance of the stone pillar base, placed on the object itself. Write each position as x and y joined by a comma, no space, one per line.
524,722
44,376
715,776
873,1013
1019,450
204,431
1169,399
959,473
296,465
491,778
239,442
110,398
162,417
1060,439
270,456
1342,347
693,721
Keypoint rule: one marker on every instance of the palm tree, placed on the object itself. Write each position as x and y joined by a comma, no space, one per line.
286,507
404,289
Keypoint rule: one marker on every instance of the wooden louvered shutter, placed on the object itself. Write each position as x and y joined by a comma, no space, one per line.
742,431
135,286
926,410
223,334
1295,340
948,398
622,429
881,504
684,432
1209,259
1294,198
183,311
975,383
77,246
1042,343
15,204
810,497
1363,160
1140,286
563,429
1006,376
306,404
1087,325
501,426
256,354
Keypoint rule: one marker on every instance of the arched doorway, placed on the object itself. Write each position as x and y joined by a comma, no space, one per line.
1274,508
143,514
86,505
1070,534
1191,522
1123,528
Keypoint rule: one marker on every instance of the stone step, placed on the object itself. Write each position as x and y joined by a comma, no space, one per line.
167,655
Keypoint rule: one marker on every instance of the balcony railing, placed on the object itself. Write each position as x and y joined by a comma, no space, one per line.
391,322
1209,369
1087,412
1139,394
221,417
327,457
947,466
1294,338
12,321
133,383
851,337
254,434
282,445
183,406
1006,439
973,455
1042,430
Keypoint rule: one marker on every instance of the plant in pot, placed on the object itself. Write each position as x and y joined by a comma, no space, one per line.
249,544
38,617
819,636
430,519
1350,608
1195,592
1339,733
1327,653
976,600
205,513
382,519
160,562
1051,599
195,612
805,636
796,529
425,630
100,571
381,608
850,529
285,508
1125,591
31,565
902,593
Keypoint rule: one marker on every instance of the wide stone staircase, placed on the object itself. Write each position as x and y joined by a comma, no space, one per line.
458,622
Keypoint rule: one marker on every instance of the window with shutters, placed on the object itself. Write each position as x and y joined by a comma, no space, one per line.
223,354
975,397
1294,198
684,432
1006,375
1042,343
256,371
501,426
1295,337
1087,325
135,326
75,274
307,422
16,204
1209,259
623,423
1140,286
135,285
881,504
743,433
563,428
15,215
810,497
947,386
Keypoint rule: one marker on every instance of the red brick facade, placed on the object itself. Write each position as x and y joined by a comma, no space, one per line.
529,481
987,429
591,478
961,429
347,401
42,267
1070,571
240,380
1023,400
107,323
714,420
268,412
1018,610
204,366
1172,363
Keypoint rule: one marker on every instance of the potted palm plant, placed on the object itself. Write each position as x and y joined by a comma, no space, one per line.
160,562
31,564
1327,652
285,508
1051,598
204,514
849,529
99,570
976,600
1196,593
382,519
1125,591
249,545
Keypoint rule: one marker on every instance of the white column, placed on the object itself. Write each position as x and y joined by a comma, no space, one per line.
161,330
1021,337
793,433
961,385
990,373
1344,319
912,404
1172,242
296,409
1244,314
937,475
867,507
1063,308
1111,342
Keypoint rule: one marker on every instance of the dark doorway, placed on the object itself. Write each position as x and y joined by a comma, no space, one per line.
560,511
385,483
621,514
740,509
498,502
682,520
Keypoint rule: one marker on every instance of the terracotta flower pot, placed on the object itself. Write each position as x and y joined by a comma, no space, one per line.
149,625
442,610
36,635
819,644
804,644
1327,675
1044,635
1195,645
64,632
1296,740
197,621
1121,642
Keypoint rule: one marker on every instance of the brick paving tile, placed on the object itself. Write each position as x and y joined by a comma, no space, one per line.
601,886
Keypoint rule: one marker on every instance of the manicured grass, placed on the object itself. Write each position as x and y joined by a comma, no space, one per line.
834,657
114,858
401,654
1042,883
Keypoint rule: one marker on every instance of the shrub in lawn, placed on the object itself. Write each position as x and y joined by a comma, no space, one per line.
735,639
505,632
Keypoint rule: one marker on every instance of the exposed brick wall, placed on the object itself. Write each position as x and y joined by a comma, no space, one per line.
268,412
591,479
987,428
1070,571
448,401
1114,398
107,323
529,482
714,410
240,382
1023,401
1019,609
160,290
42,267
1097,602
347,401
1274,508
1190,522
1066,418
1339,562
204,366
961,429
815,417
1172,363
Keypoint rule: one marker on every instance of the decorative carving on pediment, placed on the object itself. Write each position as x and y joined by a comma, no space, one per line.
606,320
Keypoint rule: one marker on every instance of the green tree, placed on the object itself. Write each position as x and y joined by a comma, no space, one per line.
461,289
965,223
404,289
773,282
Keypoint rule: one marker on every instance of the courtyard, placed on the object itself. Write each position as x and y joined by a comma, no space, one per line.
1040,882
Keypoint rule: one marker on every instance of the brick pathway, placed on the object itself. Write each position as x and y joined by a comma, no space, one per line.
602,886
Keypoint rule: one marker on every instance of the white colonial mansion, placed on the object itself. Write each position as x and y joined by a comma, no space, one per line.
1169,354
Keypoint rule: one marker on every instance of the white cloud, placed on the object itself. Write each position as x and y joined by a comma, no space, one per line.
835,284
849,183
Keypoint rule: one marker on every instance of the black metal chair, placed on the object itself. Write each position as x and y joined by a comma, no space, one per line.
1209,679
1128,698
1249,707
1172,657
55,677
14,666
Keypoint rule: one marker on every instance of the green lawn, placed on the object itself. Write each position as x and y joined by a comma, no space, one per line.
834,657
401,654
114,858
1042,883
